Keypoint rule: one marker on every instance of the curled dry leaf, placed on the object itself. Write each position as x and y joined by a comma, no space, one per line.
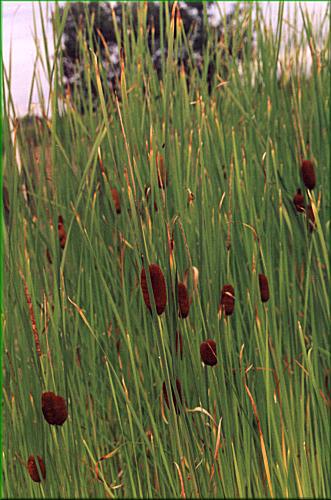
310,218
195,279
162,175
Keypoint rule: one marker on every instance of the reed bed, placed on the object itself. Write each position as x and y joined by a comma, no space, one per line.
166,299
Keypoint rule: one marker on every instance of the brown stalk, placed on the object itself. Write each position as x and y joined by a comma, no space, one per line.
263,448
32,316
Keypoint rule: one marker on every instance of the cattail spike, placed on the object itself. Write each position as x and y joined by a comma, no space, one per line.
208,352
159,288
264,287
308,174
299,201
33,469
54,408
183,301
227,300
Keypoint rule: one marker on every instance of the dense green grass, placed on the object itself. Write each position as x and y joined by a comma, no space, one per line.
258,423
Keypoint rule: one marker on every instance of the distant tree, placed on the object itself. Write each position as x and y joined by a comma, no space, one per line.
193,18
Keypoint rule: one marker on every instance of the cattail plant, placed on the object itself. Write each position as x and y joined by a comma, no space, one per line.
227,300
174,398
159,288
299,201
308,174
61,232
33,469
264,287
54,408
208,352
162,175
116,200
183,301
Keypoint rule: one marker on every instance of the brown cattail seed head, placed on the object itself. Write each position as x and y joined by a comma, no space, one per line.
311,218
33,469
174,398
183,301
299,201
227,299
61,232
264,287
208,352
159,288
179,344
308,174
54,408
162,176
116,200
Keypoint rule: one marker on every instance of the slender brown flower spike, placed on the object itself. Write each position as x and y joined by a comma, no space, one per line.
159,288
264,287
33,469
61,232
183,301
179,344
174,399
208,352
116,200
310,218
162,175
308,174
227,299
54,408
299,201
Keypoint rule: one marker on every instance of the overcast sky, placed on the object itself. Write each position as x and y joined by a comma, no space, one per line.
18,34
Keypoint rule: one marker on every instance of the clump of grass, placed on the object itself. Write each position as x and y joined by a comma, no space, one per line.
176,394
179,344
256,424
